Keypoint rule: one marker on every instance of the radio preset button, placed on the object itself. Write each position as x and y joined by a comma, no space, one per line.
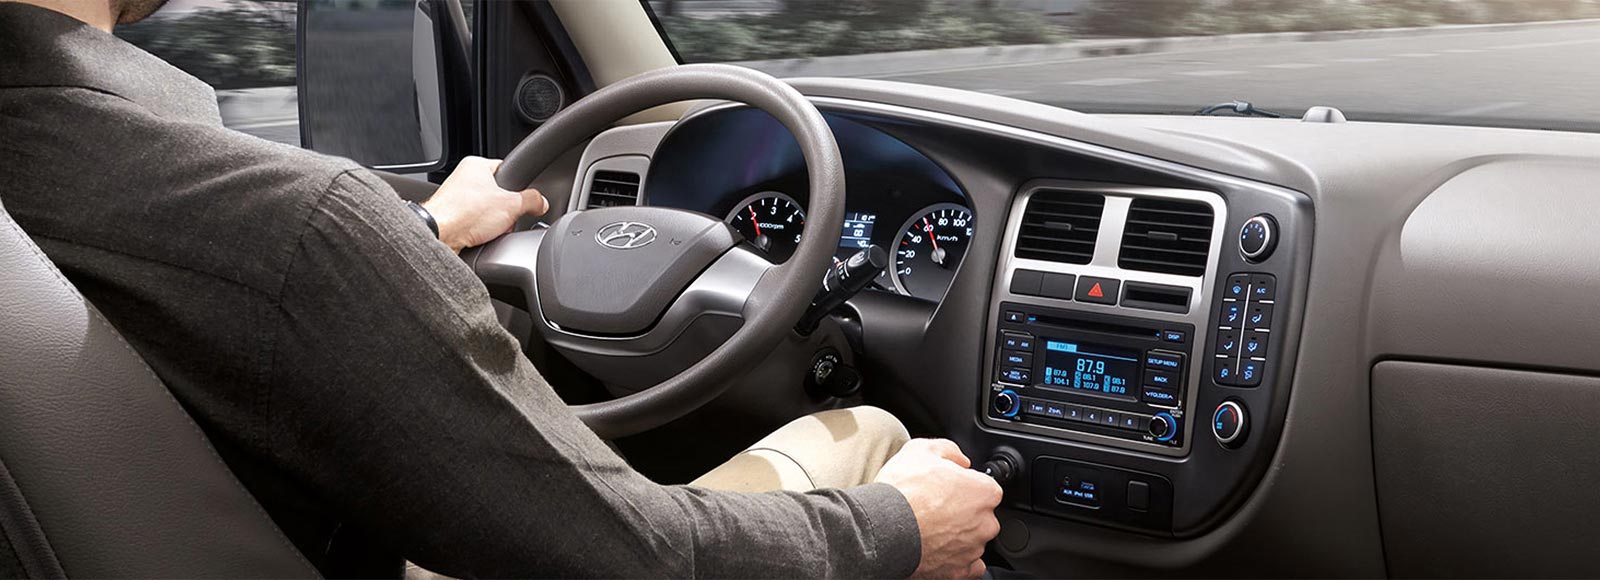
1033,407
1074,413
1133,422
1092,415
1056,410
1226,371
1110,418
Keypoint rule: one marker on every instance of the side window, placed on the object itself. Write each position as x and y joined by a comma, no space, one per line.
245,49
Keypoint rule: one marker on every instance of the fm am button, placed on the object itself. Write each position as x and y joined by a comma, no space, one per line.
1098,290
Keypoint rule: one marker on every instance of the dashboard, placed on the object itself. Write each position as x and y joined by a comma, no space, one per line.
1135,320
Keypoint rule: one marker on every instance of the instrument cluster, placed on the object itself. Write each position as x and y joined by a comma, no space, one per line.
740,164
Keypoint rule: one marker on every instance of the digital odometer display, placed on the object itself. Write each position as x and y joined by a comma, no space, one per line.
1109,371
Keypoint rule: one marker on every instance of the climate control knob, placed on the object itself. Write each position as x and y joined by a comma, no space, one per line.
1229,424
1258,237
1006,403
1163,427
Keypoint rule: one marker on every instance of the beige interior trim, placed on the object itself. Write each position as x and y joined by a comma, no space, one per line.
617,40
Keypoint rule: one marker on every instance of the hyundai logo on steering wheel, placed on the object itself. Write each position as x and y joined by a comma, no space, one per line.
625,235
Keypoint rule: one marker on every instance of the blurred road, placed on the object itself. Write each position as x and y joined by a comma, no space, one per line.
1544,77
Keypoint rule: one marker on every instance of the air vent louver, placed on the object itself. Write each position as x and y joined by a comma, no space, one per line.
614,188
1168,236
1060,226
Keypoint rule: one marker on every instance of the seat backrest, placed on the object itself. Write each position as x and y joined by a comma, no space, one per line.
102,473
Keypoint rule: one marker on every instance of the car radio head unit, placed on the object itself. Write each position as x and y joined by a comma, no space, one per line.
1080,372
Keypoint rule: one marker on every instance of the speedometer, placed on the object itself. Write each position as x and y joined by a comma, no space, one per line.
928,249
771,221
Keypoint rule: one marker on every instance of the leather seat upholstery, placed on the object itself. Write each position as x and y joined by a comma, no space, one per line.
102,473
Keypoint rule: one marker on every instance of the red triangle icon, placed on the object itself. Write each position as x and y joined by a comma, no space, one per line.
1096,292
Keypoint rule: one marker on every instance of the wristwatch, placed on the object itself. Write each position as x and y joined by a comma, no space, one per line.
427,218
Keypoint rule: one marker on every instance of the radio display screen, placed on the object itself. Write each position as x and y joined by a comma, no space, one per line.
1092,368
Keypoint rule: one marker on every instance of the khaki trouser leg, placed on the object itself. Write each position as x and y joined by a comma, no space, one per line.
832,449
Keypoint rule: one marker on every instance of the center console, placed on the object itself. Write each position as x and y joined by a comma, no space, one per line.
1136,347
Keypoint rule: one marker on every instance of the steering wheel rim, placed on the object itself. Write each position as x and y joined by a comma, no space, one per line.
783,292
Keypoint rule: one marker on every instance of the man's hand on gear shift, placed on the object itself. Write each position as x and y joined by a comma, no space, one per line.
953,504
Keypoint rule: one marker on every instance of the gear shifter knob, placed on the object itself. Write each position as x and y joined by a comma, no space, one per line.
1000,468
1003,466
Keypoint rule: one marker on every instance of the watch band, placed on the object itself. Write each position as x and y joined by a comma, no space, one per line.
427,218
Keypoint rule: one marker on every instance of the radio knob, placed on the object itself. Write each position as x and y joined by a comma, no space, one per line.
1006,403
1229,424
1258,237
1163,427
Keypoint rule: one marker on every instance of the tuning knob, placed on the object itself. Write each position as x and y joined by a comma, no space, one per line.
1163,427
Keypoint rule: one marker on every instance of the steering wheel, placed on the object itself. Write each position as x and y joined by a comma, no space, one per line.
611,283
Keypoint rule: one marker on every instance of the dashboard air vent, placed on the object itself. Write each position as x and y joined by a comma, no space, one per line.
1168,236
614,188
1060,226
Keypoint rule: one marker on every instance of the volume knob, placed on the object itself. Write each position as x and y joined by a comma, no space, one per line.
1006,403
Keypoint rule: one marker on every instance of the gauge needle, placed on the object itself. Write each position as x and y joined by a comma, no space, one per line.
755,222
938,252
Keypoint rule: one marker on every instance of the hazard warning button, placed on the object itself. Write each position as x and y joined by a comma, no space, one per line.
1098,290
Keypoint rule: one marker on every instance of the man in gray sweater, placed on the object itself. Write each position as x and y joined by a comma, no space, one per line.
351,371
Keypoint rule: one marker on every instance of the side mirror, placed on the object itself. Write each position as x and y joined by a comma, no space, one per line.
384,82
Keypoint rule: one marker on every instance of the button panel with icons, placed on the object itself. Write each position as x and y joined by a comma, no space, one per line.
1244,329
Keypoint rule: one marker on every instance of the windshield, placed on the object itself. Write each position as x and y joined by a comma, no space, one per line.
1510,63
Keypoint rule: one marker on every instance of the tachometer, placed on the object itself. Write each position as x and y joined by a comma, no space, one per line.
928,249
771,221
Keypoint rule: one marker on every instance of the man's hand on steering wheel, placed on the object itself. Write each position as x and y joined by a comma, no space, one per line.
471,209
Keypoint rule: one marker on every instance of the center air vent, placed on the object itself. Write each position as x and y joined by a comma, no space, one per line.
614,188
1060,226
1168,236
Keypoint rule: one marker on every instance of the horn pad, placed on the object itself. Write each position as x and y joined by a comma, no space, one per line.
614,271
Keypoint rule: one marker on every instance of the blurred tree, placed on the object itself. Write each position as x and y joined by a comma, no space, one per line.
250,43
1140,17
